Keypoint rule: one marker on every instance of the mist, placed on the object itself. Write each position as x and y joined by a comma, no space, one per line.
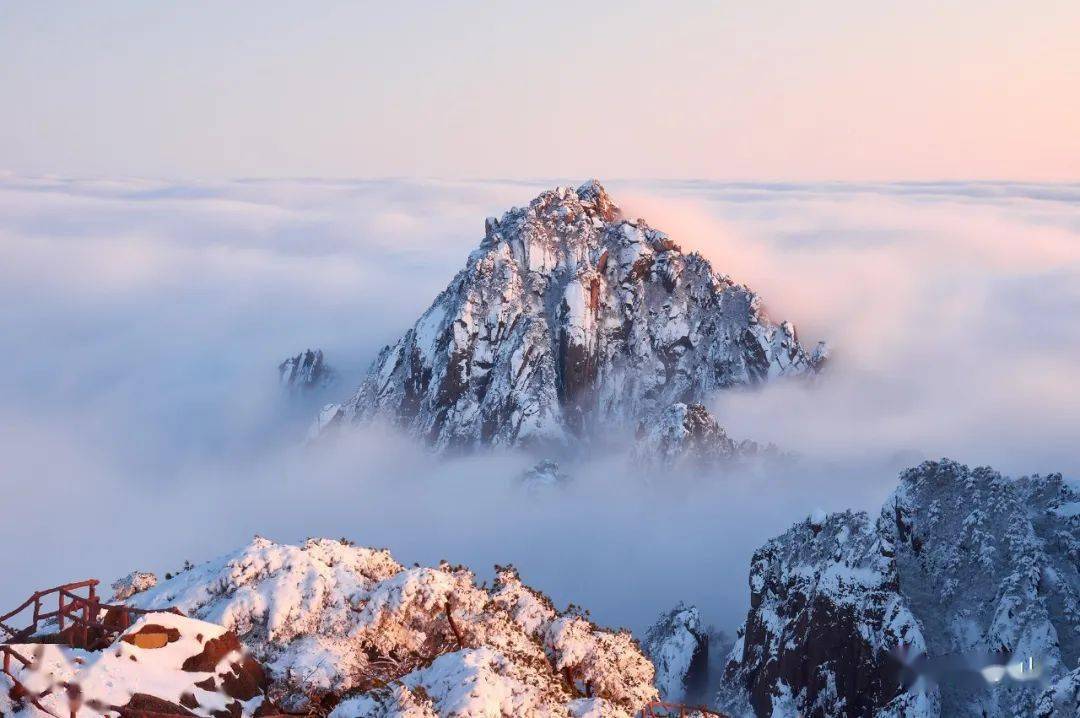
143,321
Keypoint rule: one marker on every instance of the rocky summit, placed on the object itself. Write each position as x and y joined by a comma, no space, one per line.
567,319
306,371
347,628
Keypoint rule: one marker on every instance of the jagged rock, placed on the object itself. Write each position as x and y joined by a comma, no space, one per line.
687,434
306,371
679,650
545,475
135,582
823,625
963,570
335,621
570,320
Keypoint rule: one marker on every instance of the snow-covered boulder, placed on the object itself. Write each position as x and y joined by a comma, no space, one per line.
164,663
966,577
135,582
570,320
331,620
679,650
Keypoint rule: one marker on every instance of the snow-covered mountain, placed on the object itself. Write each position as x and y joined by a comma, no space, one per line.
346,626
306,371
567,318
961,599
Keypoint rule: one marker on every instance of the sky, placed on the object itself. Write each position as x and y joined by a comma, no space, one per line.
142,322
190,192
769,90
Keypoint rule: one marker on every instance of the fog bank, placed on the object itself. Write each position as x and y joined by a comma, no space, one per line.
142,323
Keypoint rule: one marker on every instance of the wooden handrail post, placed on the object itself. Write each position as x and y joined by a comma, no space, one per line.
86,623
60,608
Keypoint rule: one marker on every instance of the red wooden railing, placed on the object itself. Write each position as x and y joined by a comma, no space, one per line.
81,621
661,709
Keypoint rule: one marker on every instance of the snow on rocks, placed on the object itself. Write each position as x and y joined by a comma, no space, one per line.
961,567
568,318
164,662
543,476
135,582
1062,698
306,371
679,650
331,620
824,623
684,432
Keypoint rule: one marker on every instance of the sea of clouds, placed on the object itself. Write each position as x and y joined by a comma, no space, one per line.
142,323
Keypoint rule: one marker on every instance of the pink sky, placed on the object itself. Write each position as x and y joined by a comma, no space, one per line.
838,89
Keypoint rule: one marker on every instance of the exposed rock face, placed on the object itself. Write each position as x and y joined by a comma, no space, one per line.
569,318
679,649
824,621
306,371
685,432
965,576
334,621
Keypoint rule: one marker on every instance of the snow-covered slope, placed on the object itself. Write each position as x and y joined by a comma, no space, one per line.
568,318
333,621
967,578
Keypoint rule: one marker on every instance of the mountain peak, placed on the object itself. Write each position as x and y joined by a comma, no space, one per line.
566,320
593,195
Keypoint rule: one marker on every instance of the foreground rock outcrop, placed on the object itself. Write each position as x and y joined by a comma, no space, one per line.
679,649
164,663
962,598
567,319
348,627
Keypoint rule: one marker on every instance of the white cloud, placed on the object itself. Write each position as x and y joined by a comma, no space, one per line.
143,321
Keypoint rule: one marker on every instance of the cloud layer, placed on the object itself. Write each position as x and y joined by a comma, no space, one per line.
143,322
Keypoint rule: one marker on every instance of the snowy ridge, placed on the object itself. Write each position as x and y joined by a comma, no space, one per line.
966,578
333,621
567,317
